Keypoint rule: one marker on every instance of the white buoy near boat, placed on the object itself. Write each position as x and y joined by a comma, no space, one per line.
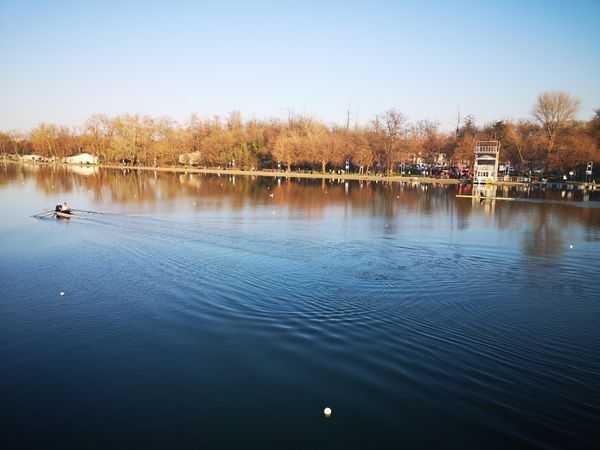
327,411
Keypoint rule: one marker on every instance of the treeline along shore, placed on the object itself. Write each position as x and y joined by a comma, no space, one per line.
551,141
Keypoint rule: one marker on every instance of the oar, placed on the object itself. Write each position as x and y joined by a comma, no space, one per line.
41,215
84,211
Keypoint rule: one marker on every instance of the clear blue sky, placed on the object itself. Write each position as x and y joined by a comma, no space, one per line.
63,61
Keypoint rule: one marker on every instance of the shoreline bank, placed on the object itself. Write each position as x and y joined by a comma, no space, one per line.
258,173
282,174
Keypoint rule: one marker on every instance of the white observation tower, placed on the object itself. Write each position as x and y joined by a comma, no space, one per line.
487,155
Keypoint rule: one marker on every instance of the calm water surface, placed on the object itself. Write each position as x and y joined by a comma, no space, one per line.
227,312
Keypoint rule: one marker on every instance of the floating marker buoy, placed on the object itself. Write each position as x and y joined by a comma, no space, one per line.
327,411
273,212
194,203
62,293
570,246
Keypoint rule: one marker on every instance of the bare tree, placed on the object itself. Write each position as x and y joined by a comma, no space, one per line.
554,110
44,139
426,140
5,143
285,148
97,136
362,154
594,127
125,137
521,144
392,125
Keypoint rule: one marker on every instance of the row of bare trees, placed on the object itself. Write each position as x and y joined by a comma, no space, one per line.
553,139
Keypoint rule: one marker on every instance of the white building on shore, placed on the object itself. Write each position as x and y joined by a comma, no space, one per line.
82,158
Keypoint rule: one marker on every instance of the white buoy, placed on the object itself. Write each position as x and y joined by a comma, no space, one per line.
273,212
194,203
271,195
327,411
62,293
571,246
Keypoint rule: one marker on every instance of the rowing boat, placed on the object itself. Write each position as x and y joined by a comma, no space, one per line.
67,214
63,215
57,214
485,198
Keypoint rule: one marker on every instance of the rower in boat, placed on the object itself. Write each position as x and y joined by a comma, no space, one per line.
64,208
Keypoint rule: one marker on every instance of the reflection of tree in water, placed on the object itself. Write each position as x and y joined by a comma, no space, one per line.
547,225
52,179
310,198
9,175
543,237
592,232
132,185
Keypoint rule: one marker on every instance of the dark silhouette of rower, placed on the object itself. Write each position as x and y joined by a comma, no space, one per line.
64,208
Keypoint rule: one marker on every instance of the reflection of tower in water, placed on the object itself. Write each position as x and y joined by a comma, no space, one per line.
482,196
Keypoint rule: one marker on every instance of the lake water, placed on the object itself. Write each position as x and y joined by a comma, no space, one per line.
227,312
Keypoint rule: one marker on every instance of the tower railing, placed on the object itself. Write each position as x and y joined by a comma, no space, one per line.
487,146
